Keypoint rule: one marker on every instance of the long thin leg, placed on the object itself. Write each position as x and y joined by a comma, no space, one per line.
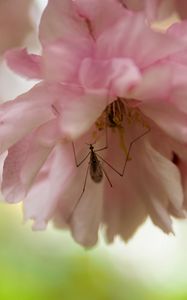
130,146
84,186
76,162
120,174
127,158
106,175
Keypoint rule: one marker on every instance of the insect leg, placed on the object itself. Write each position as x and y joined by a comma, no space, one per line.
127,158
76,162
84,186
106,175
120,174
130,146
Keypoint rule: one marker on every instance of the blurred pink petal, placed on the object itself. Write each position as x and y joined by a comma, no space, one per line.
19,117
24,64
15,23
158,9
42,200
62,58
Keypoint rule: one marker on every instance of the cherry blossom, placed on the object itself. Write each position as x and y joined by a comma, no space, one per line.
106,79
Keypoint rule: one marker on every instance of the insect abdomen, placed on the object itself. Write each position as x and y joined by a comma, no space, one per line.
96,172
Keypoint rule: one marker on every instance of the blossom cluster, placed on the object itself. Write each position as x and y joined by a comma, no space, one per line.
101,139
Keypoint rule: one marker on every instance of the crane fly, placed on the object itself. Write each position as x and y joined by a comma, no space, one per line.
95,165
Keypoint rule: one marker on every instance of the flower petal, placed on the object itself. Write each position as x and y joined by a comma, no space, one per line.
86,217
81,110
28,65
151,181
12,188
129,38
61,59
94,14
60,20
117,75
25,113
43,198
43,141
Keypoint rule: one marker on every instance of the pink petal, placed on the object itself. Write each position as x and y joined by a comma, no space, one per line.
25,113
95,16
60,20
149,89
26,158
86,218
81,110
53,179
178,29
28,65
41,145
12,189
167,117
82,215
150,182
129,38
117,75
61,59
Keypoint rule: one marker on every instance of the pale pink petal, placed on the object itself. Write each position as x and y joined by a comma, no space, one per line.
123,211
157,182
28,65
60,20
129,39
86,218
117,75
49,186
178,29
169,187
41,145
25,113
62,58
81,110
26,158
82,215
155,85
12,188
168,118
95,16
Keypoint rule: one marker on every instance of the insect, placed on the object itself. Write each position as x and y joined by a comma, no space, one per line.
95,165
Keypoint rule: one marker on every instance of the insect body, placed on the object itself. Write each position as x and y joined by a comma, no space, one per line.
95,168
96,171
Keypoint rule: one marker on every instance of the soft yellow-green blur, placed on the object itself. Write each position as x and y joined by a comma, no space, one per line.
49,265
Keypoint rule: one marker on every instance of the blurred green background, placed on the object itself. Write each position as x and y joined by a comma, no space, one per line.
49,265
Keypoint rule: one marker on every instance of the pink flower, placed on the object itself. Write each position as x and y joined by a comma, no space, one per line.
97,70
14,23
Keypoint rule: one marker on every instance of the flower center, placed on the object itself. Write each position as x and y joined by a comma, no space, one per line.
116,115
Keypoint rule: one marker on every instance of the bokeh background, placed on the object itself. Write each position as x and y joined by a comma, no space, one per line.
49,265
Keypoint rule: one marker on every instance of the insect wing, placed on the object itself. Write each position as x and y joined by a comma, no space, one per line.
96,171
